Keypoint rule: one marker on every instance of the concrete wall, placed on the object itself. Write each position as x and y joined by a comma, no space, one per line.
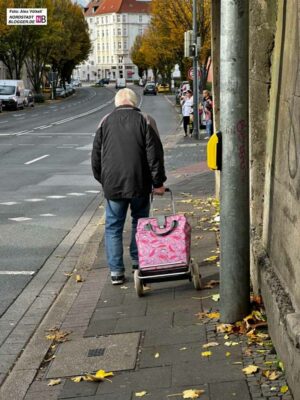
274,87
275,166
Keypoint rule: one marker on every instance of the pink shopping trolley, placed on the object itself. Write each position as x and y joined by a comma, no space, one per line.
164,244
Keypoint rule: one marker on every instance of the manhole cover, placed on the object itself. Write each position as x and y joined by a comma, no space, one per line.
111,353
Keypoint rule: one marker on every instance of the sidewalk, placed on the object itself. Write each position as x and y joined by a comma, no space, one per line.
154,344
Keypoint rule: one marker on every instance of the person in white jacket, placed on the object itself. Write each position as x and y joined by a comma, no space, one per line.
187,109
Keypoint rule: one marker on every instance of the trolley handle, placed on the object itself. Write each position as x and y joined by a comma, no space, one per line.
168,190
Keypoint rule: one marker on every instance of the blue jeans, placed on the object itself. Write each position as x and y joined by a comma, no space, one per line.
209,127
116,211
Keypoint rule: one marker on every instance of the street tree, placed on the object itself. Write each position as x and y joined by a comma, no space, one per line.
138,57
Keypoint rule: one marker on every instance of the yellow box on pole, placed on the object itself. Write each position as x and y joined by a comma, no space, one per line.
214,151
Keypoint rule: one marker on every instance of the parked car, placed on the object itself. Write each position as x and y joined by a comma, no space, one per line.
150,88
163,88
60,91
76,83
102,82
120,83
12,93
69,89
28,98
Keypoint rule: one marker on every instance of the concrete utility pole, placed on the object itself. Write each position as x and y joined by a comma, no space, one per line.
195,67
235,253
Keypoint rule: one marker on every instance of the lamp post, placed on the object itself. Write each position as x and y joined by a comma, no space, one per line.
195,68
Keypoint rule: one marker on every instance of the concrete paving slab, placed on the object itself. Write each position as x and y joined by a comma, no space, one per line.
72,358
230,390
100,328
176,335
72,389
135,310
217,371
171,355
143,379
175,393
134,324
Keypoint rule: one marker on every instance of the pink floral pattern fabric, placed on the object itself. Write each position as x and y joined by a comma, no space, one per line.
158,252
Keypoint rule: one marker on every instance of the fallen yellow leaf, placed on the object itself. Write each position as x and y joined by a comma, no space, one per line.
284,389
78,278
100,375
271,375
140,394
206,353
183,348
54,382
210,344
192,394
211,258
214,315
228,354
224,328
228,344
156,355
57,335
251,369
78,379
215,297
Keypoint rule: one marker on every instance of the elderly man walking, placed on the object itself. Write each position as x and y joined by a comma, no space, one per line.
128,161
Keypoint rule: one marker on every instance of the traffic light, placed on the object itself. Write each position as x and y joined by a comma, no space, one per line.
193,50
188,40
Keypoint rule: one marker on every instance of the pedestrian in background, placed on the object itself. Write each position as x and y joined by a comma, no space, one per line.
128,161
187,109
207,109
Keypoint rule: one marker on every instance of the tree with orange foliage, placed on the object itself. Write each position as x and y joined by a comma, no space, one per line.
162,45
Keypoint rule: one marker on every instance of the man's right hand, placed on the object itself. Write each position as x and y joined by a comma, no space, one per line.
159,191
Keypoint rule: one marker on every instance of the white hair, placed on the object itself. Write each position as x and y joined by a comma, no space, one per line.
126,97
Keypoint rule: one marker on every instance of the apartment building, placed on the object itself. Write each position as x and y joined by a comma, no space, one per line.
113,27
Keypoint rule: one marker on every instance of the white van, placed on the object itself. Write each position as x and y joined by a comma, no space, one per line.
120,83
12,93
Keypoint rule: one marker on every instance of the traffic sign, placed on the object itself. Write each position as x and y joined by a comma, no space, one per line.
191,73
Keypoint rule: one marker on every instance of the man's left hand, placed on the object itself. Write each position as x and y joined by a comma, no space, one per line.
159,191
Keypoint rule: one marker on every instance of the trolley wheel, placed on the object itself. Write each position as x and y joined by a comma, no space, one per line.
196,277
138,284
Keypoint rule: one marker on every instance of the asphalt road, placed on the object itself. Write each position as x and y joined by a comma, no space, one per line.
46,179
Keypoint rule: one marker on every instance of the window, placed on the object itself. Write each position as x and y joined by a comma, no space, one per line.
102,33
114,32
140,31
124,31
98,46
112,59
106,32
102,20
102,46
119,32
106,19
118,18
140,18
125,44
97,20
124,18
119,45
92,62
91,20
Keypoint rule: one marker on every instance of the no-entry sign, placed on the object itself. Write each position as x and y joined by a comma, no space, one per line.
191,73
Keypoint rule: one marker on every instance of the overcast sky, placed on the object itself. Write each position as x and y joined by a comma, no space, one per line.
83,2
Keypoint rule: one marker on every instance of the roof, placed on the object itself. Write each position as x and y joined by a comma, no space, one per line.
98,7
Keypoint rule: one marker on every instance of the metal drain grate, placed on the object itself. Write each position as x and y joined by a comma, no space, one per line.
96,352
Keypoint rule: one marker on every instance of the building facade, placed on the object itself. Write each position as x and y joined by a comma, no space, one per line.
113,27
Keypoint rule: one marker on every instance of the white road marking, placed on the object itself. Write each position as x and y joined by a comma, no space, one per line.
3,122
34,200
17,272
47,215
5,134
26,144
36,159
93,191
20,219
56,197
18,115
20,133
45,127
9,203
76,194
